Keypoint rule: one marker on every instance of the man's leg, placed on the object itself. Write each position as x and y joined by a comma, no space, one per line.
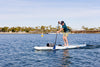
64,41
66,38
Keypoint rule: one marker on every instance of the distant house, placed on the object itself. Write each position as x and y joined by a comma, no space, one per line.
10,31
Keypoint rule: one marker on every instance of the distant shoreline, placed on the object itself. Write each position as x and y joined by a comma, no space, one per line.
40,33
45,30
13,33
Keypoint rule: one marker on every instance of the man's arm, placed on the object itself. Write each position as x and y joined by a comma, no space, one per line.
60,30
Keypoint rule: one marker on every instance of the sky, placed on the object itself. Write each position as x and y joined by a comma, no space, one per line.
75,13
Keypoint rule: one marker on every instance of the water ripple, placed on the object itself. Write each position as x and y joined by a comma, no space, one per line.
16,50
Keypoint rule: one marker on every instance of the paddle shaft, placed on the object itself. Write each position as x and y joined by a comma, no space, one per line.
56,38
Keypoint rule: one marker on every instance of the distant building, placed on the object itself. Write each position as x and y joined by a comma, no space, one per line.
85,31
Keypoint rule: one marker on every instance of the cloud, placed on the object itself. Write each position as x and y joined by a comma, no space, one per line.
49,13
15,16
45,9
48,10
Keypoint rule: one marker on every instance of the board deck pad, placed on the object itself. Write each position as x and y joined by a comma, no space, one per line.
59,47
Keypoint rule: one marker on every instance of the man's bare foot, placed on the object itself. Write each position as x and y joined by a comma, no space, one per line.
67,44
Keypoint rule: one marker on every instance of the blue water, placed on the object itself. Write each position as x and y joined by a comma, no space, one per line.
16,50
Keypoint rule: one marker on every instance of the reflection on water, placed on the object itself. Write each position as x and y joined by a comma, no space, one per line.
17,51
65,59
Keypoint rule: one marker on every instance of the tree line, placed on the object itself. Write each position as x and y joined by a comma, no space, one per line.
39,29
90,29
16,29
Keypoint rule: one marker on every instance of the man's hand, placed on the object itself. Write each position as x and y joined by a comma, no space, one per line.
58,31
59,22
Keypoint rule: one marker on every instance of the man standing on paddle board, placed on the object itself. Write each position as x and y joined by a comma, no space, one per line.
65,33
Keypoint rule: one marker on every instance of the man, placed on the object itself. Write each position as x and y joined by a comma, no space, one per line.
65,34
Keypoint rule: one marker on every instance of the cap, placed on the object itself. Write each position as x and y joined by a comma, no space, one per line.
62,22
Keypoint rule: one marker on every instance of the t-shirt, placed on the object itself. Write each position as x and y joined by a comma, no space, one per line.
65,27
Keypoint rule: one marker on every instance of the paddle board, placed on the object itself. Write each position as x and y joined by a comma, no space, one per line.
59,47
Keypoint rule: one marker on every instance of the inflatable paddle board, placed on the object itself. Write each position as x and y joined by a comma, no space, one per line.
59,47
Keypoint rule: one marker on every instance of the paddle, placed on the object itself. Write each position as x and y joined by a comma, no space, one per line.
56,38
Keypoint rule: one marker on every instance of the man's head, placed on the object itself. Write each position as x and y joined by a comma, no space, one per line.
62,22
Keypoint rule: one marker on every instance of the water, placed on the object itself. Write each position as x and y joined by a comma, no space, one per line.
16,50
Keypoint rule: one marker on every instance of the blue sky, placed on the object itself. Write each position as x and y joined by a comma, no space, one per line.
75,13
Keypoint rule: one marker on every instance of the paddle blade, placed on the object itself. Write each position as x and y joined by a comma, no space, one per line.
54,47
